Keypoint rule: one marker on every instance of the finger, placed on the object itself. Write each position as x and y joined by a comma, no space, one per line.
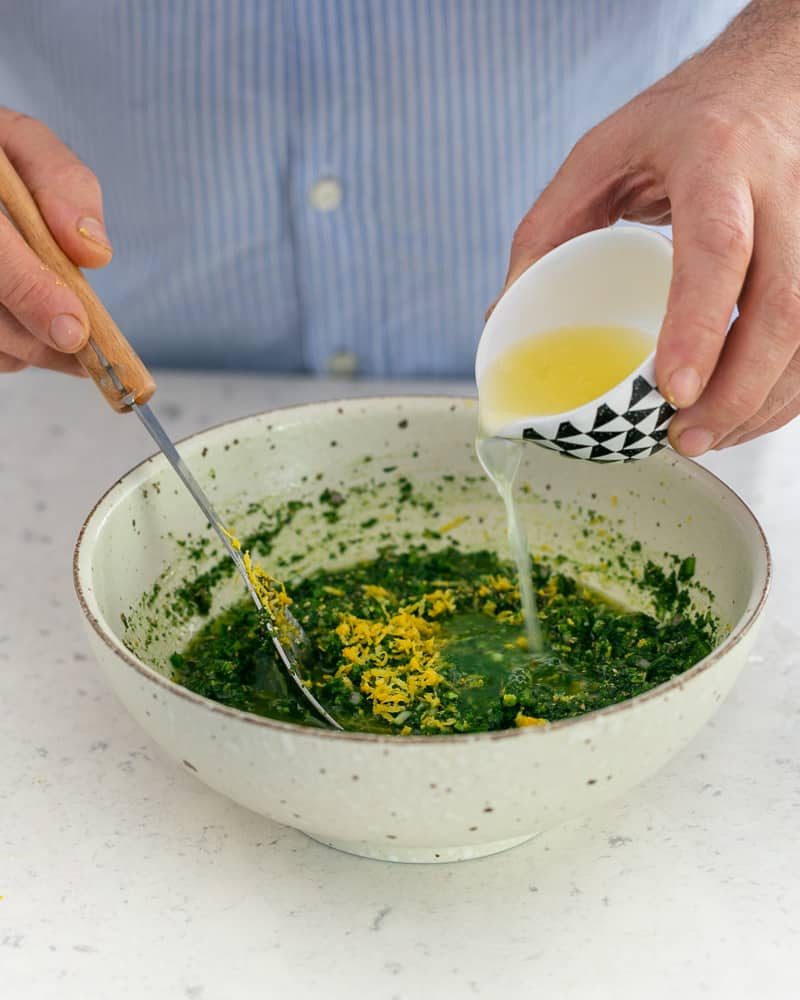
63,363
780,398
650,213
9,365
775,422
17,344
578,199
759,348
713,239
66,190
39,300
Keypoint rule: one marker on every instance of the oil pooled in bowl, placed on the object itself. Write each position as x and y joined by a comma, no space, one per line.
425,638
433,643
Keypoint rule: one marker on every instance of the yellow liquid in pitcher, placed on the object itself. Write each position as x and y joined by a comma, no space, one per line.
558,371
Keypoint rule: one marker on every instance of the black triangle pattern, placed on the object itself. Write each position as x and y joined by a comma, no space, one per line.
567,429
604,415
593,443
665,411
602,436
637,416
633,436
641,387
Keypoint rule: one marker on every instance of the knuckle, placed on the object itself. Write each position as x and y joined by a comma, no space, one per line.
73,176
524,234
739,403
23,293
782,302
724,236
586,154
719,132
583,147
9,365
703,333
14,118
527,235
792,169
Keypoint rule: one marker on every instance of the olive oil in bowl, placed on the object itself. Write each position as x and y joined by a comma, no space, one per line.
558,371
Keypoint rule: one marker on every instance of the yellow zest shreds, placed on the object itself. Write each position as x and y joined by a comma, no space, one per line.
430,722
274,599
439,602
377,593
393,659
271,593
455,523
399,654
549,590
528,720
500,599
496,585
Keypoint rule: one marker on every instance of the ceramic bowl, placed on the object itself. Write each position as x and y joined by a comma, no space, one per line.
413,798
608,277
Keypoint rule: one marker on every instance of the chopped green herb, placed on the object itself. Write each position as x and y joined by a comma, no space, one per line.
432,642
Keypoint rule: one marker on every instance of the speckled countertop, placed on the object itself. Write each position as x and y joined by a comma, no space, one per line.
121,876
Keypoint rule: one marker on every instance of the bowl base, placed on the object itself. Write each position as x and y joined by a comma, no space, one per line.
422,855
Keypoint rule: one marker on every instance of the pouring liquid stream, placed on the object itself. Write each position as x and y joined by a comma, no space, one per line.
501,459
549,373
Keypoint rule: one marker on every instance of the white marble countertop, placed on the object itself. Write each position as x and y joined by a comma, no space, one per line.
121,876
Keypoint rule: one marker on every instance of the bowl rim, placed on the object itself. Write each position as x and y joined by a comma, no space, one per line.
676,683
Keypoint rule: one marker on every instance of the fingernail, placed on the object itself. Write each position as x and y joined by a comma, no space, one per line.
94,231
683,387
695,441
67,332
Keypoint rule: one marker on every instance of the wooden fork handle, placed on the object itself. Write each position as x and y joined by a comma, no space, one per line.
136,381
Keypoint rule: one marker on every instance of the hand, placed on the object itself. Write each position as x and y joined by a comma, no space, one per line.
714,148
42,322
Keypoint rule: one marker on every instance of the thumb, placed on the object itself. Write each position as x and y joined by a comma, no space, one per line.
578,199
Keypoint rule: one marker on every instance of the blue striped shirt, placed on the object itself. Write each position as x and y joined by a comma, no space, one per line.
291,182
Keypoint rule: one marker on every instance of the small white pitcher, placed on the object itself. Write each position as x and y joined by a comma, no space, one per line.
609,277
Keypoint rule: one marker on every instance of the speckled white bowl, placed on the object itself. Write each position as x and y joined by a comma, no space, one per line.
416,798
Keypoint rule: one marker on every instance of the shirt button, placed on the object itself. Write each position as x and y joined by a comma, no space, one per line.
326,194
342,363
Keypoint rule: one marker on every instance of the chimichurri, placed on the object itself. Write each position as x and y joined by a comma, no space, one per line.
422,642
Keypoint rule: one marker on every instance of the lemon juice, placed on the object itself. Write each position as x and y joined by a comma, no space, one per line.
558,370
548,373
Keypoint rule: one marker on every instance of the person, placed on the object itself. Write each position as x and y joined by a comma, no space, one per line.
331,185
